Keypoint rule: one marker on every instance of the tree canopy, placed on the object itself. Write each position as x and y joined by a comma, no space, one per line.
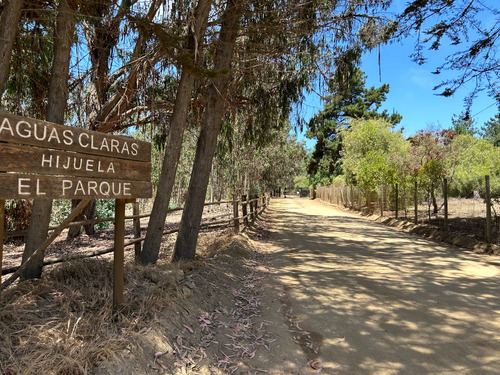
472,26
348,99
369,156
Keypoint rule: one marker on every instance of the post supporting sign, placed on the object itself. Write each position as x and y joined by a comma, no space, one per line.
39,159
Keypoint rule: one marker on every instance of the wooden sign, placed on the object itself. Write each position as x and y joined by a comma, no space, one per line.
57,161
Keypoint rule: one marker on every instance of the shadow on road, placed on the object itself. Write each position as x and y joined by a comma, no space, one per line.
364,299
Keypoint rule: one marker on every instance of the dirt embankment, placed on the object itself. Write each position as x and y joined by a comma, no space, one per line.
201,317
470,242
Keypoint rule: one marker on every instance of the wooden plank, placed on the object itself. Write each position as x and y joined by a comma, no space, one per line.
27,131
119,254
27,159
487,199
16,186
244,209
137,230
236,221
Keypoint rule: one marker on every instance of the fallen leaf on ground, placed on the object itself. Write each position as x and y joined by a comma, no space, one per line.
188,328
159,354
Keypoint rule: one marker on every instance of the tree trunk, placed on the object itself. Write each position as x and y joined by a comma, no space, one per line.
87,213
185,246
9,21
434,201
58,96
101,40
173,148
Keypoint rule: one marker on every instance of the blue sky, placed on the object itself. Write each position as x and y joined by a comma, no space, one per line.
411,88
411,91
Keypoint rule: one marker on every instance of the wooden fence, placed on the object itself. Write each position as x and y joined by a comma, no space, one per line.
414,204
249,208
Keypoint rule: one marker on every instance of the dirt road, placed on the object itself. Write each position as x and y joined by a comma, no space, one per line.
360,298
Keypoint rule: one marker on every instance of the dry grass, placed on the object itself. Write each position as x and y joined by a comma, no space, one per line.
64,323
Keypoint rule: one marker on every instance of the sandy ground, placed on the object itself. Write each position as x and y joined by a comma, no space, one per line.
360,298
309,289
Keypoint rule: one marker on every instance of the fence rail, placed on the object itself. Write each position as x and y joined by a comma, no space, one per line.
475,217
251,208
23,233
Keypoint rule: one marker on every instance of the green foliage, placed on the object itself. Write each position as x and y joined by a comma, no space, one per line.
279,163
374,155
371,171
430,175
370,153
301,182
491,130
430,160
61,208
31,62
349,99
463,124
104,208
475,158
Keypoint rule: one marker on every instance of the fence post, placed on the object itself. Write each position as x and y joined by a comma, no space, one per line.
119,258
382,200
445,194
252,208
397,201
236,220
137,230
359,199
488,209
244,209
415,197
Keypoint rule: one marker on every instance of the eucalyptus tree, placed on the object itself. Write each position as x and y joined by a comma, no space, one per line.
283,30
471,27
185,245
107,79
56,106
25,92
109,88
280,162
9,21
194,44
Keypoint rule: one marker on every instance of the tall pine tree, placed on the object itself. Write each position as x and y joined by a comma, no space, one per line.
349,99
491,130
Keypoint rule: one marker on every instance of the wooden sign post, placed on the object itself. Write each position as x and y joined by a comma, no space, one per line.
46,160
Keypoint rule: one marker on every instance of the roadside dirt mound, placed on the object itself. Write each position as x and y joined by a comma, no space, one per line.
436,234
432,232
180,318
